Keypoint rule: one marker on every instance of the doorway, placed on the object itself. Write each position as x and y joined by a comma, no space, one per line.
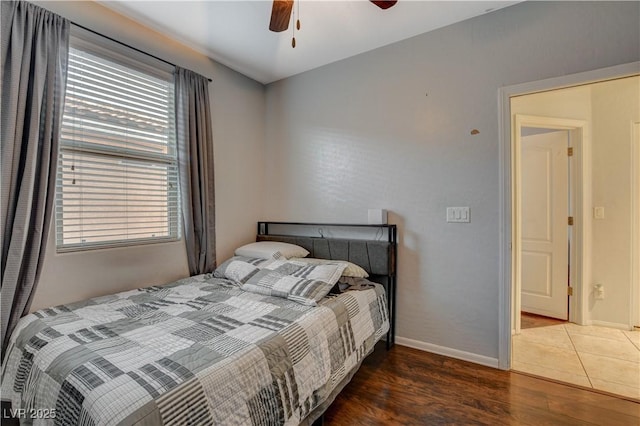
545,231
603,241
549,186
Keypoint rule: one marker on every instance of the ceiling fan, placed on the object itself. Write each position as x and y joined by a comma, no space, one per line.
281,13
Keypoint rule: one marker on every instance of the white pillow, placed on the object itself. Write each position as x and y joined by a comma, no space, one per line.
268,249
350,270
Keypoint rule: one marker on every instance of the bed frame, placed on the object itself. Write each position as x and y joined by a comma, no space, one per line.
377,256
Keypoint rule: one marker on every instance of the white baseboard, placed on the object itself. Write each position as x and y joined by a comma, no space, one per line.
609,324
450,352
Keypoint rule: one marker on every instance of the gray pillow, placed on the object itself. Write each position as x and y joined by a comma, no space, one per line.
300,282
296,281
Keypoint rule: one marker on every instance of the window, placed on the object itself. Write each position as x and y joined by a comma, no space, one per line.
117,181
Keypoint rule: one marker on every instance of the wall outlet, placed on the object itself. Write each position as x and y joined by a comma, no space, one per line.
598,291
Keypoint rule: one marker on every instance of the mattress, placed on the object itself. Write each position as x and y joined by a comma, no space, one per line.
197,351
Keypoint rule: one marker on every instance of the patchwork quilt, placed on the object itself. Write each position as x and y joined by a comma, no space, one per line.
200,351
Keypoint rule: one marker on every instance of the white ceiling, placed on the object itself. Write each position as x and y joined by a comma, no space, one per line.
235,33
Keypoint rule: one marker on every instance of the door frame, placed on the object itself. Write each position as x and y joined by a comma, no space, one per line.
579,184
634,311
505,208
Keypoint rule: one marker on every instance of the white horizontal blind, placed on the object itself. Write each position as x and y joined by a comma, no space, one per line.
117,180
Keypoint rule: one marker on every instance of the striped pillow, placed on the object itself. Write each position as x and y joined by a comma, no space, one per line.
239,268
327,272
351,270
296,281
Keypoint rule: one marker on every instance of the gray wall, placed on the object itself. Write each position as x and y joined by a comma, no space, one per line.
391,129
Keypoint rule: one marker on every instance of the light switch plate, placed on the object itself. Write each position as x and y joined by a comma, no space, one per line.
458,214
598,212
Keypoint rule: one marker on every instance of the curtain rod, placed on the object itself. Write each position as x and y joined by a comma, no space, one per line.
125,44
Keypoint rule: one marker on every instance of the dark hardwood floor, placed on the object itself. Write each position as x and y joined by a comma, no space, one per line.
528,320
406,386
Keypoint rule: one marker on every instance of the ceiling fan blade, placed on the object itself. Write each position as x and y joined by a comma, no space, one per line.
384,4
280,15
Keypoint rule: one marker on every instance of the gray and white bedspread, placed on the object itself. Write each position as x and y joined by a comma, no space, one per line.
199,351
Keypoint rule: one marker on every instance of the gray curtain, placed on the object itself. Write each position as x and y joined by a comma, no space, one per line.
195,160
34,49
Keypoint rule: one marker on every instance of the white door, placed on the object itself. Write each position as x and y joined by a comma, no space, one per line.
545,238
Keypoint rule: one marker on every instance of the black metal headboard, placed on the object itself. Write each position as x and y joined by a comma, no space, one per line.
376,256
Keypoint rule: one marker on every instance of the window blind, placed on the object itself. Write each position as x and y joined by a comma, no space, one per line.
117,181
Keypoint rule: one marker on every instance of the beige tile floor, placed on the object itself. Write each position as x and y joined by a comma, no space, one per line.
597,357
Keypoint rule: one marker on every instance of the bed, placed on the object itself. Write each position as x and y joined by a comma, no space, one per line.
201,350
